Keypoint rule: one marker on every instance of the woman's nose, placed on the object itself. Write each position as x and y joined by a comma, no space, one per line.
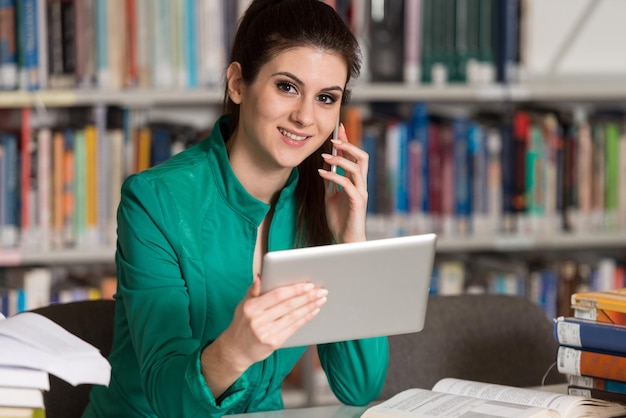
303,114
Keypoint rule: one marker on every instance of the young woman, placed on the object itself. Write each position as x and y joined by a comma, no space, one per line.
193,334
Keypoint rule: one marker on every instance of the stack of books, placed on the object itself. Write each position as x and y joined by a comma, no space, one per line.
592,345
31,348
21,392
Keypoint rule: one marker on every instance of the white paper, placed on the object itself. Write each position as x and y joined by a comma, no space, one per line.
32,340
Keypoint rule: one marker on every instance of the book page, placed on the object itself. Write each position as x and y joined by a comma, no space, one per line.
44,334
32,340
416,403
562,403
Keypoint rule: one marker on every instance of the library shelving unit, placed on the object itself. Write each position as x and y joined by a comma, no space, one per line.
574,92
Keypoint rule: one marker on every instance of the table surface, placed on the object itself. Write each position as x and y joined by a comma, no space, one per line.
330,411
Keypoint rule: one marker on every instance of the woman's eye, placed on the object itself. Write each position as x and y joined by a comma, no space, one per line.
327,99
286,87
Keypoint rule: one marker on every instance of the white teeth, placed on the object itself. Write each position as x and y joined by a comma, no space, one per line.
292,136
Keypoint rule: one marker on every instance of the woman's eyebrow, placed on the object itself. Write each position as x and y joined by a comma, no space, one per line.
301,83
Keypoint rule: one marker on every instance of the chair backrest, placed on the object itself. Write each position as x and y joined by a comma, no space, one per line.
490,338
91,321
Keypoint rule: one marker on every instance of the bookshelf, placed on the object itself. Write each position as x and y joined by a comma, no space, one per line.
558,75
558,78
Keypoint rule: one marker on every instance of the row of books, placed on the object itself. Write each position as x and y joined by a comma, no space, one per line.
592,345
114,43
550,285
446,41
117,44
542,172
31,348
27,288
60,186
533,171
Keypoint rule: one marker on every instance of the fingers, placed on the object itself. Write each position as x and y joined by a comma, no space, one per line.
277,314
294,312
353,160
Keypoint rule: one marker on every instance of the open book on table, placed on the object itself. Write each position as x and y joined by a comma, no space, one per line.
460,398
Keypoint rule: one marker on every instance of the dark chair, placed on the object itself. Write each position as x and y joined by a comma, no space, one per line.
93,322
490,338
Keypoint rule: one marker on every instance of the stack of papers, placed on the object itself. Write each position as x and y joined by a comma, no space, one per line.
32,347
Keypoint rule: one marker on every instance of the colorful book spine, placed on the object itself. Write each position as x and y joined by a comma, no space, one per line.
69,189
80,192
8,46
402,189
611,148
412,41
598,383
592,335
621,210
190,43
521,133
508,40
420,134
494,184
44,192
446,138
509,217
598,170
28,44
462,176
42,44
25,183
551,144
579,362
584,174
9,226
131,73
535,183
604,300
58,163
102,45
597,394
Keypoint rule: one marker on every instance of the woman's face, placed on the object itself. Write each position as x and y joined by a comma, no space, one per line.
292,106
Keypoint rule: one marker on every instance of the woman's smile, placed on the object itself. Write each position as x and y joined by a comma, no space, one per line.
292,136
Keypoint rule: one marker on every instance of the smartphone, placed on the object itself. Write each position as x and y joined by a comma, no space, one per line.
333,167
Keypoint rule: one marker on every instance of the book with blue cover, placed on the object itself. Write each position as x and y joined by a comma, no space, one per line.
590,335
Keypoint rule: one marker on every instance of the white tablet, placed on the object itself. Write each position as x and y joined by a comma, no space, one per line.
375,288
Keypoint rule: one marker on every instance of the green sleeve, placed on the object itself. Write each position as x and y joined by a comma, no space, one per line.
356,370
157,303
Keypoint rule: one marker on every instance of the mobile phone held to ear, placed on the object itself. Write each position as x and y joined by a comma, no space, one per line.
333,167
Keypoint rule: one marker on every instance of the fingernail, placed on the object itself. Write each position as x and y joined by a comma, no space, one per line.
335,141
326,156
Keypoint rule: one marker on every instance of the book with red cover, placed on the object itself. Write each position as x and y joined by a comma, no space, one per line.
580,362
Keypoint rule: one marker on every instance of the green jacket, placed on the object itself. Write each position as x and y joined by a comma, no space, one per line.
186,235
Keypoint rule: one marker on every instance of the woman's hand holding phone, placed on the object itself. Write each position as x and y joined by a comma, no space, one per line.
346,202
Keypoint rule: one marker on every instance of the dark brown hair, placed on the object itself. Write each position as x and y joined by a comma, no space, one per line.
268,28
